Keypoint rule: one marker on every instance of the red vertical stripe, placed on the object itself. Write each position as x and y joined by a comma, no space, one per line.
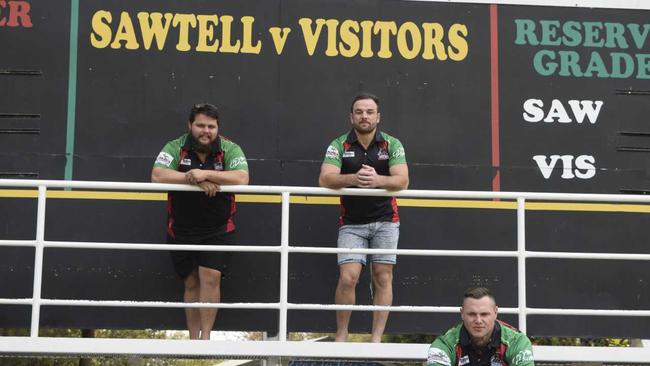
393,203
230,225
494,92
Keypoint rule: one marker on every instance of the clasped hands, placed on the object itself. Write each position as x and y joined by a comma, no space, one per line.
367,177
200,178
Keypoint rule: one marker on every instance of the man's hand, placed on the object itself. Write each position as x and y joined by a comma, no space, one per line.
209,188
367,177
196,176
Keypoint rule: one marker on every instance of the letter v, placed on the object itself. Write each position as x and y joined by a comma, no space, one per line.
279,37
546,169
311,38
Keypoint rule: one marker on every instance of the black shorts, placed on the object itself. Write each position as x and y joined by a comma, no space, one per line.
187,261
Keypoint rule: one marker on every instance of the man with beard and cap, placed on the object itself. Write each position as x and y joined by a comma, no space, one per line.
365,157
480,339
204,158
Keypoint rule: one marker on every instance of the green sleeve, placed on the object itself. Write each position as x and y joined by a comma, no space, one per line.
396,152
333,153
168,156
441,353
520,352
234,159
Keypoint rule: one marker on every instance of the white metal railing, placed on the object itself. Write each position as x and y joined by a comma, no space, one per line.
285,249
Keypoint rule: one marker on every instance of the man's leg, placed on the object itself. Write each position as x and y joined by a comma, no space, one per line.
382,283
345,294
210,285
192,316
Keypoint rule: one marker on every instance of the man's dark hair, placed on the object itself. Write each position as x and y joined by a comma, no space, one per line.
206,109
478,293
362,96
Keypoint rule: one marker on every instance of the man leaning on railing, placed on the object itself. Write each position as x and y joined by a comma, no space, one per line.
204,158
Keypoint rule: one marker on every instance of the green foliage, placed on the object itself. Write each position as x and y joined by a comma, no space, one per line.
409,338
588,342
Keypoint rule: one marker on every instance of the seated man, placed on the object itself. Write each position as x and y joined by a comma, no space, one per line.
481,339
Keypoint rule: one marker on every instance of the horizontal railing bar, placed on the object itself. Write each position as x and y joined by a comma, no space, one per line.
161,187
47,346
158,304
330,307
18,243
400,308
188,348
583,312
24,301
322,250
601,256
145,246
415,252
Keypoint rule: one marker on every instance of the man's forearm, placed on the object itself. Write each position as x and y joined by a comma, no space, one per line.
228,177
163,175
394,182
335,180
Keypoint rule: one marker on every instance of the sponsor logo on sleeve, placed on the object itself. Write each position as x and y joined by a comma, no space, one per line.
439,357
332,153
164,159
398,153
522,357
239,162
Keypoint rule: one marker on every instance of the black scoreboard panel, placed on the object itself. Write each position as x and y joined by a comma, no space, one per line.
483,97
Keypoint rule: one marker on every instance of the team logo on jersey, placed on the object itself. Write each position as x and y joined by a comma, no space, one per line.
496,361
523,356
218,165
332,153
238,162
438,356
164,159
463,361
382,154
186,162
348,154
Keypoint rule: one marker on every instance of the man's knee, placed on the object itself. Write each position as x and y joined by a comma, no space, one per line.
192,281
382,276
209,277
348,278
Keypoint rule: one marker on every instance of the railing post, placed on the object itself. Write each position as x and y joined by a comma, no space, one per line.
284,267
521,261
38,260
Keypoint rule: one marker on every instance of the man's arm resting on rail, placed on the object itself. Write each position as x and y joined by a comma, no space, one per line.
331,177
226,177
165,175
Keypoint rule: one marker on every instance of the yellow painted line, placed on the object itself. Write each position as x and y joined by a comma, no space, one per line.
594,207
18,193
259,198
330,200
412,202
93,195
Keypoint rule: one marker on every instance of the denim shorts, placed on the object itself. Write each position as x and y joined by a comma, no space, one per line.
375,235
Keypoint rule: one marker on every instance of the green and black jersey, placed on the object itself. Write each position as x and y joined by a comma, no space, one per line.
193,214
507,347
383,152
